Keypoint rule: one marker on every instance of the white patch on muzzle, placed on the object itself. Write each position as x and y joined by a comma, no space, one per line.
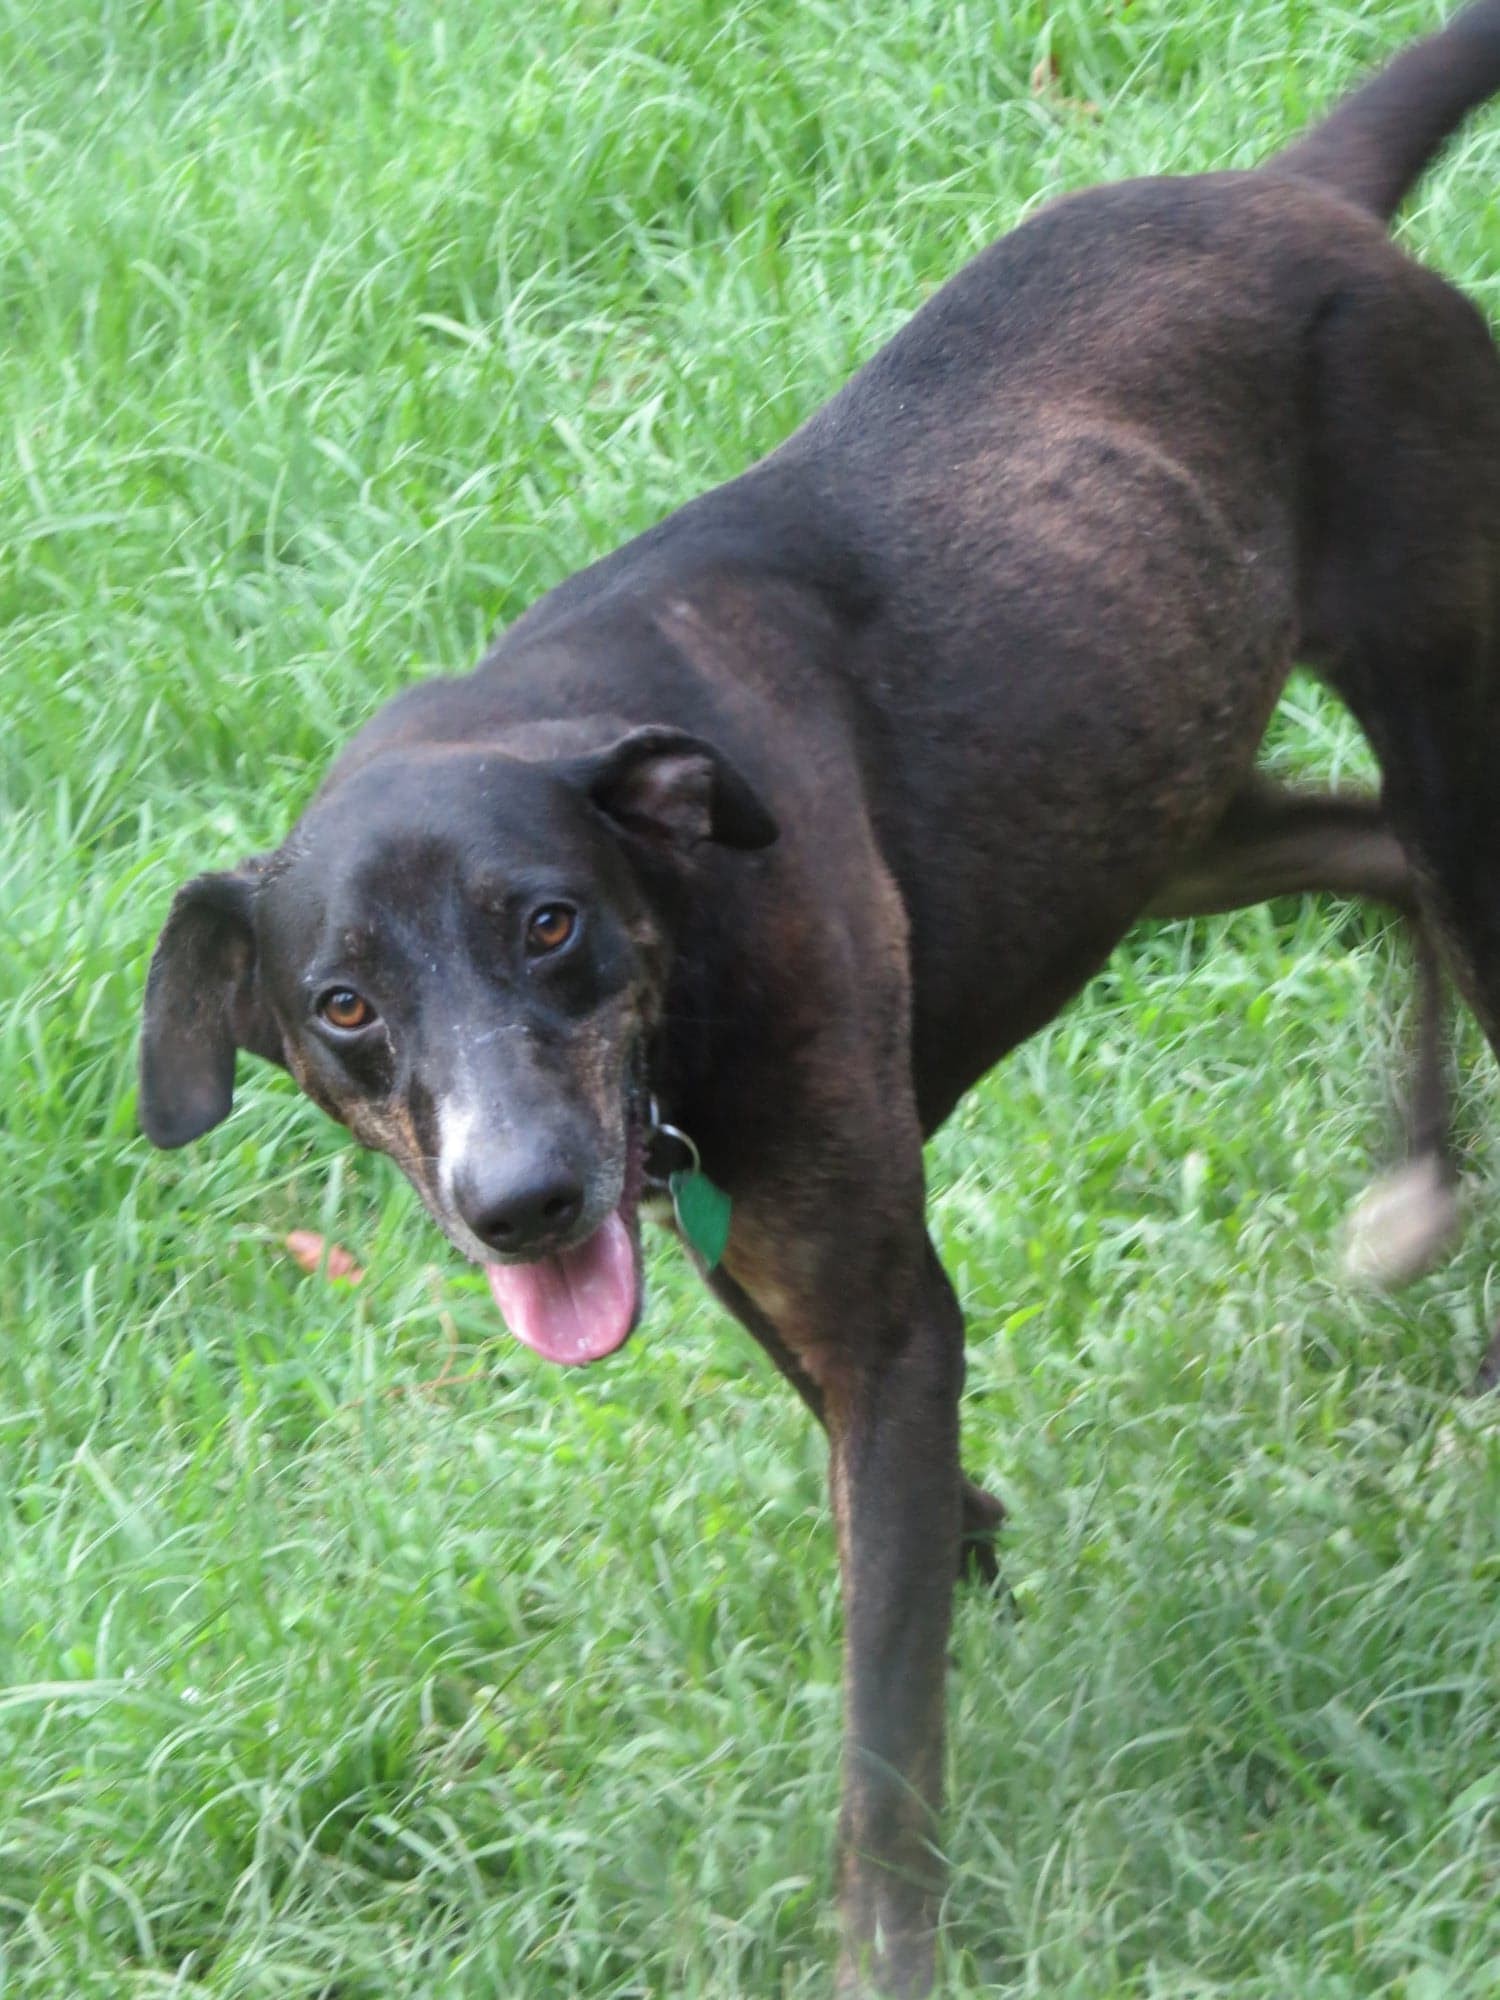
458,1119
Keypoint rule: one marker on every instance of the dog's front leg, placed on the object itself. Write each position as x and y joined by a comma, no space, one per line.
893,1431
981,1514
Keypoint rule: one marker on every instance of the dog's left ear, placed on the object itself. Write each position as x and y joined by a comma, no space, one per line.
667,786
203,1001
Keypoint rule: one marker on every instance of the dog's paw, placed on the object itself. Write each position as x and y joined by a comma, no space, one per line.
1402,1224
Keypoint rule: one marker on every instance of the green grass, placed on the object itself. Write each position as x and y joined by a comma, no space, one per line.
331,337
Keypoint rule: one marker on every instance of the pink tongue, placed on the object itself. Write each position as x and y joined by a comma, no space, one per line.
577,1306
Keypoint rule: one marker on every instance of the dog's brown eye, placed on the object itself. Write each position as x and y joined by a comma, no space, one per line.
549,928
345,1009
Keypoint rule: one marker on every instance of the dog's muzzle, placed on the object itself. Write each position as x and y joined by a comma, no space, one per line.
581,1303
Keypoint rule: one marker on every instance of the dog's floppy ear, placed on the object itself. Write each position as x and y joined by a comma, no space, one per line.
202,1003
668,786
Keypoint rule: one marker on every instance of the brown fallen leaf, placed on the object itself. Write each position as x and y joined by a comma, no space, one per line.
1046,79
307,1249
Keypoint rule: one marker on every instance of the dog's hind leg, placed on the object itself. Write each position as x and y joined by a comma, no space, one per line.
1401,593
1275,842
1405,1221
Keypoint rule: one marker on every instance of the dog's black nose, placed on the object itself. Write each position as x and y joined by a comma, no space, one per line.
525,1211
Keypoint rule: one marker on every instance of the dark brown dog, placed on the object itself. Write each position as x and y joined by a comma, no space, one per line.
801,810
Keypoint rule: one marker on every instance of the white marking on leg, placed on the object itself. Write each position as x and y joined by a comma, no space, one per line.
1401,1226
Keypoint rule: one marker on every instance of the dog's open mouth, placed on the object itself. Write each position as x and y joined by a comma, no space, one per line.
580,1304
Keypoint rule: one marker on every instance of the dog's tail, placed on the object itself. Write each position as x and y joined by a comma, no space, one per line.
1373,147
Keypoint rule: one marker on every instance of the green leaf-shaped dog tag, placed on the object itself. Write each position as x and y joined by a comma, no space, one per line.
703,1212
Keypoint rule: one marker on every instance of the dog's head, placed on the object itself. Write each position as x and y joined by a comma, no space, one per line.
459,953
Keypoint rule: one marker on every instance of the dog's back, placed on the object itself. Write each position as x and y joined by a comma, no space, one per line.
1112,474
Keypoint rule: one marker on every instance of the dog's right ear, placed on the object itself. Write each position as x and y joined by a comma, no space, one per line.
203,1001
666,786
